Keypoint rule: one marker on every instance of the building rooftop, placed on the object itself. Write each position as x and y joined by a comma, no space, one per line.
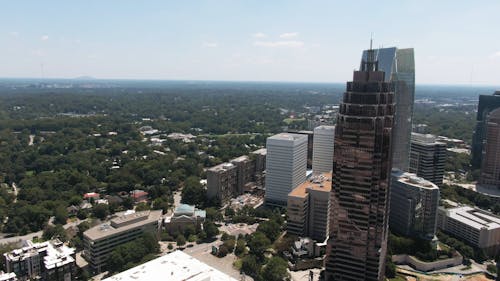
413,179
176,266
474,217
321,182
221,167
262,151
56,253
241,159
122,223
7,276
425,139
287,136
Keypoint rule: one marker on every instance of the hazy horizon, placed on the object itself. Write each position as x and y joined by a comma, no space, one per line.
289,41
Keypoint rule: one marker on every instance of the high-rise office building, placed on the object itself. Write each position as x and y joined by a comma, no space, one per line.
222,181
490,166
308,207
399,68
361,176
427,157
285,166
414,204
322,159
310,141
487,103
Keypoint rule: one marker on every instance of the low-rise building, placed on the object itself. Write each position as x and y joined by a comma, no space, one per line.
414,202
50,260
183,216
308,207
176,266
99,241
477,227
139,195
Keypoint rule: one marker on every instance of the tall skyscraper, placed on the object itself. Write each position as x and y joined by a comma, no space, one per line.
427,157
399,68
286,163
414,205
487,103
361,175
490,167
322,159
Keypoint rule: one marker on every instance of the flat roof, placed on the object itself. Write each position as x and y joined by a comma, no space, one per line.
176,266
413,180
287,136
262,151
240,159
221,167
322,182
122,223
474,217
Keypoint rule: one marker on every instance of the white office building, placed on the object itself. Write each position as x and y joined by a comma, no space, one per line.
286,165
475,226
322,160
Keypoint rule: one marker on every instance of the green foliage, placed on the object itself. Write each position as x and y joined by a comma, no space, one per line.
181,240
258,244
270,228
213,214
250,265
491,268
275,270
210,229
100,211
132,253
229,244
466,196
57,231
142,207
193,192
240,247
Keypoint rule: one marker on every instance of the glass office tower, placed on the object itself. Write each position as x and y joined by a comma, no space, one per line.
399,68
357,242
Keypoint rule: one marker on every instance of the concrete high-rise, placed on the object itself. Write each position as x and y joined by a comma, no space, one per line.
308,208
490,166
322,159
357,243
414,204
427,157
399,68
487,103
286,163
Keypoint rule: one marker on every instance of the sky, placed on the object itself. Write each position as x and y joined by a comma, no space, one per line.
455,42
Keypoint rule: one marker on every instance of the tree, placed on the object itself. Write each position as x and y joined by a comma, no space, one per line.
250,266
270,228
60,215
142,207
229,244
258,244
181,240
210,229
275,270
223,251
57,231
100,211
240,247
193,192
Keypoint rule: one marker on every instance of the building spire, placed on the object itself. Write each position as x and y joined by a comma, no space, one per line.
370,64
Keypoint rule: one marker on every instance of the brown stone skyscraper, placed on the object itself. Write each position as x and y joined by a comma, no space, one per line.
361,175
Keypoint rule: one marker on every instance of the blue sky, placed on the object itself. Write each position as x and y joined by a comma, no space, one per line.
275,40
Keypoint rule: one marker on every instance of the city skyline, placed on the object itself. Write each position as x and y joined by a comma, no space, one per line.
289,41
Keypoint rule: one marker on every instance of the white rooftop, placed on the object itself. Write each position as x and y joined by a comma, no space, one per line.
176,266
474,217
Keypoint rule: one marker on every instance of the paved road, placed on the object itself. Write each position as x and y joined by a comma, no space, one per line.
32,235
